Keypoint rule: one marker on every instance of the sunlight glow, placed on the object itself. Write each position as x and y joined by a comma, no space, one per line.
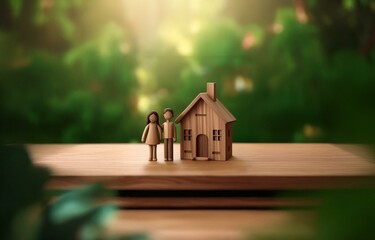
144,103
46,4
142,76
277,28
242,84
195,27
301,11
311,131
125,48
185,47
248,41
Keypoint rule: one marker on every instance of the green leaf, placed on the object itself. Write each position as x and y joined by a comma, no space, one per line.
16,6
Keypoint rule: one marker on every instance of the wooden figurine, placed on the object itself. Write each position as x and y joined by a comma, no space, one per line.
169,134
152,134
206,128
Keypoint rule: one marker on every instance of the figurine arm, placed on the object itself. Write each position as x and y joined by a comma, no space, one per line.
160,131
144,135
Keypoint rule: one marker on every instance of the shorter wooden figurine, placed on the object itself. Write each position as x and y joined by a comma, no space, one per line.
169,134
152,134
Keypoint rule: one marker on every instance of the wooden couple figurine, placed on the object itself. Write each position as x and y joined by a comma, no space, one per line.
152,134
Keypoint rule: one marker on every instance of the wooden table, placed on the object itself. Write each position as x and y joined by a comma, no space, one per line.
186,183
186,199
253,166
199,224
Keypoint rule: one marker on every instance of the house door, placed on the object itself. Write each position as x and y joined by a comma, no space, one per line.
202,147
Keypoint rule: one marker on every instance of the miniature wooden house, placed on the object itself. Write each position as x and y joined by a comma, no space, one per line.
206,128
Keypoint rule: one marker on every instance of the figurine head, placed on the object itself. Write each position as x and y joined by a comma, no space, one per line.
168,113
153,117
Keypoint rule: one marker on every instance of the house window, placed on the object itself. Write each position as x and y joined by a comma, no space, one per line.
187,134
216,133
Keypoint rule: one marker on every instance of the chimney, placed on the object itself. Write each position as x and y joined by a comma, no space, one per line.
211,90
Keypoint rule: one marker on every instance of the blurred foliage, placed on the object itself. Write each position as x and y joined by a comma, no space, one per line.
342,214
89,71
21,193
63,79
28,212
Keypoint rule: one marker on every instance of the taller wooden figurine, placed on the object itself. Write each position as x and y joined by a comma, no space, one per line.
152,134
206,128
169,134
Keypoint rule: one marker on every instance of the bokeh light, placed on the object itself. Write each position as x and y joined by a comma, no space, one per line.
69,68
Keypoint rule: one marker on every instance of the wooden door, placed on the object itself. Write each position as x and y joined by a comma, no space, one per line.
202,146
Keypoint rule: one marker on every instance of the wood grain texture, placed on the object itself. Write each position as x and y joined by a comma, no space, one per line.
203,120
253,166
212,203
204,115
199,224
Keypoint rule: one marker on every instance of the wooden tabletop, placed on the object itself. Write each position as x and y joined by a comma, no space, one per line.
198,224
253,166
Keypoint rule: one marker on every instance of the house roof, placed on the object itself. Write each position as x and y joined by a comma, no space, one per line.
217,106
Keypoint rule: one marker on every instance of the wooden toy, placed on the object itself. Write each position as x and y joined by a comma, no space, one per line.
206,128
152,134
169,134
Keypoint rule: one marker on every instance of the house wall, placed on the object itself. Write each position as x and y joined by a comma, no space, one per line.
203,120
229,140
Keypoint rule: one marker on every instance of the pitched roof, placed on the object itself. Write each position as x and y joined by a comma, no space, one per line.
217,106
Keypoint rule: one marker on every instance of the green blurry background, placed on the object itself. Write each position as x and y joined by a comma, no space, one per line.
89,71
